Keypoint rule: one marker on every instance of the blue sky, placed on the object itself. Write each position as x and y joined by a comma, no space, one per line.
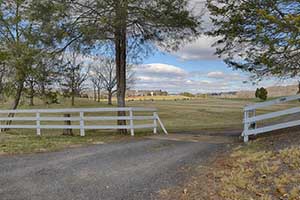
195,69
169,72
189,65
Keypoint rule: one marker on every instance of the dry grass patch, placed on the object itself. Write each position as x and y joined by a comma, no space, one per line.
267,168
261,175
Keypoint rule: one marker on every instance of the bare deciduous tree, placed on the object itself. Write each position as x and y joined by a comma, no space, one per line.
104,70
74,75
97,86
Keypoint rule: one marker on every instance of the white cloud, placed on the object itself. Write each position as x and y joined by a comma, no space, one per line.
217,74
220,75
162,70
201,49
158,76
226,76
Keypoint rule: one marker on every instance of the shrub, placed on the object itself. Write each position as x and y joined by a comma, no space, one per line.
261,93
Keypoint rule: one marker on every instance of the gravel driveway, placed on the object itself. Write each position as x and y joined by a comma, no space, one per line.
135,169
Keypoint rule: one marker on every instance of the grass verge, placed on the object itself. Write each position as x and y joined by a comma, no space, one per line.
19,143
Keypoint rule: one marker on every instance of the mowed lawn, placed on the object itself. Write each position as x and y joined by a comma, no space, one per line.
202,114
198,114
179,114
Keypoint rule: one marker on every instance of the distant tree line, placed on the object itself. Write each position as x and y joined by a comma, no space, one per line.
187,94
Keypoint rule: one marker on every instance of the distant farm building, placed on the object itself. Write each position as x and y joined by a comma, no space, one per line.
141,93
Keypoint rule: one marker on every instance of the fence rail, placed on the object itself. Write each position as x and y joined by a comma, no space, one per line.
251,119
82,118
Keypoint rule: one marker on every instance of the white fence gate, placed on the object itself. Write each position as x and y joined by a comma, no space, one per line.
81,118
251,119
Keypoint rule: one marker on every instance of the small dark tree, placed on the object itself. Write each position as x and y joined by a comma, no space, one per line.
261,93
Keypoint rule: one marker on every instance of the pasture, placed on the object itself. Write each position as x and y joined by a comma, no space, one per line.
179,115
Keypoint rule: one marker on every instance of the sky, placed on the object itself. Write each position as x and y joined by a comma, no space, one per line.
195,68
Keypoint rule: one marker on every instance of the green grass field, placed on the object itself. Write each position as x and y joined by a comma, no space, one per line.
178,115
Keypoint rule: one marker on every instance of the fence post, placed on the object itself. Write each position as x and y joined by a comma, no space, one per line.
154,122
38,124
246,126
254,114
82,133
131,122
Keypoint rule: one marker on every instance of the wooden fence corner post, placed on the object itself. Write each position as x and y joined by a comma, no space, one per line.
246,126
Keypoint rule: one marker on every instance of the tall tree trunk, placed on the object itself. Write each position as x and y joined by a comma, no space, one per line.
31,94
67,123
20,86
16,102
109,97
120,47
95,94
99,94
72,100
72,96
31,103
43,93
298,92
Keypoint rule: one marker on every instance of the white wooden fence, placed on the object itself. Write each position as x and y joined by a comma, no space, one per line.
39,117
251,119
